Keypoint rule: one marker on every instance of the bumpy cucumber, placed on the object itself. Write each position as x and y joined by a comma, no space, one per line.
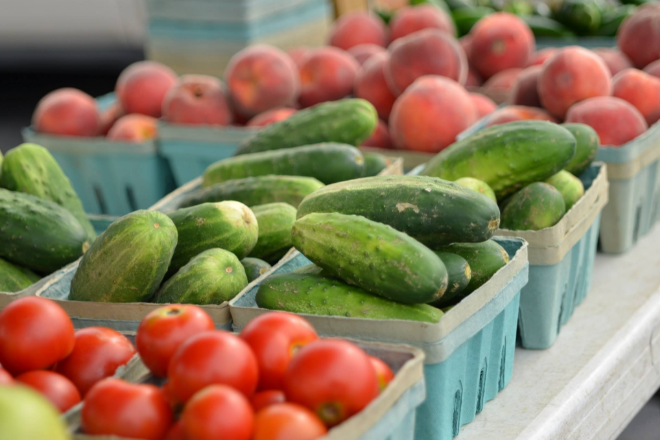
15,278
275,222
478,186
319,295
374,163
254,268
586,149
535,207
570,187
371,255
459,273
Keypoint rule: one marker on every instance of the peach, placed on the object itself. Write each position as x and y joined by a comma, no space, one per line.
430,113
614,59
641,90
260,78
134,128
197,100
466,43
67,112
370,84
473,79
615,120
142,86
411,19
639,35
540,56
270,117
427,52
482,104
109,116
573,74
380,138
525,90
298,54
356,28
653,69
363,52
503,80
514,113
327,74
500,41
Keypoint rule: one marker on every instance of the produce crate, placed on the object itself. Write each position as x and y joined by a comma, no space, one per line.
587,42
213,11
112,178
391,416
469,352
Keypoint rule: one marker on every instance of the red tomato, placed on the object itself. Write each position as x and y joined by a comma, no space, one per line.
274,338
287,421
162,331
383,372
99,351
34,334
115,407
176,432
333,378
266,398
218,412
5,377
54,387
215,357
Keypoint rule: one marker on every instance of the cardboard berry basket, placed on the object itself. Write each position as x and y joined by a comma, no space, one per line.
391,416
469,352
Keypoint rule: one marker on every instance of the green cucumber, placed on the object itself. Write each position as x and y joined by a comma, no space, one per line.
231,226
254,268
371,255
347,121
484,259
570,187
507,157
582,16
535,207
329,163
546,27
374,163
433,211
466,18
441,4
459,273
477,185
275,223
319,295
38,234
256,191
586,149
128,261
15,278
212,277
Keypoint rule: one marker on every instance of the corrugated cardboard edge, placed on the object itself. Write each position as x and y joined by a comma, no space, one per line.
550,245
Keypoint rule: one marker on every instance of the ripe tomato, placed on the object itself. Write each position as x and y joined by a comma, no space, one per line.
383,372
176,432
287,421
5,377
265,398
115,407
215,357
333,378
274,338
162,331
218,412
99,351
34,334
54,387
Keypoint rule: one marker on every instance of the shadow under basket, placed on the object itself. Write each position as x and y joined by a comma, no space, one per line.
469,352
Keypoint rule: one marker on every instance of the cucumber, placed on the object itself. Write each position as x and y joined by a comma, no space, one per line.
586,148
231,226
38,234
459,273
374,163
478,186
319,295
275,222
484,259
535,207
371,255
256,191
433,211
460,4
254,268
521,8
212,277
507,157
581,16
612,20
385,15
569,186
128,261
347,121
15,278
30,168
547,27
466,18
329,163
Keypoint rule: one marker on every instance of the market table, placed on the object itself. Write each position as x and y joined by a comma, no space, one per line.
603,368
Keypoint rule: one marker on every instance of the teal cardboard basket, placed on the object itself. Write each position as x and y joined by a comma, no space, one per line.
469,352
232,11
586,42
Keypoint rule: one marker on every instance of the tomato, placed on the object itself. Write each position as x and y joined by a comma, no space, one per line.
176,432
34,334
383,372
5,377
274,338
115,407
99,351
265,398
215,357
162,331
333,378
218,412
54,387
287,421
